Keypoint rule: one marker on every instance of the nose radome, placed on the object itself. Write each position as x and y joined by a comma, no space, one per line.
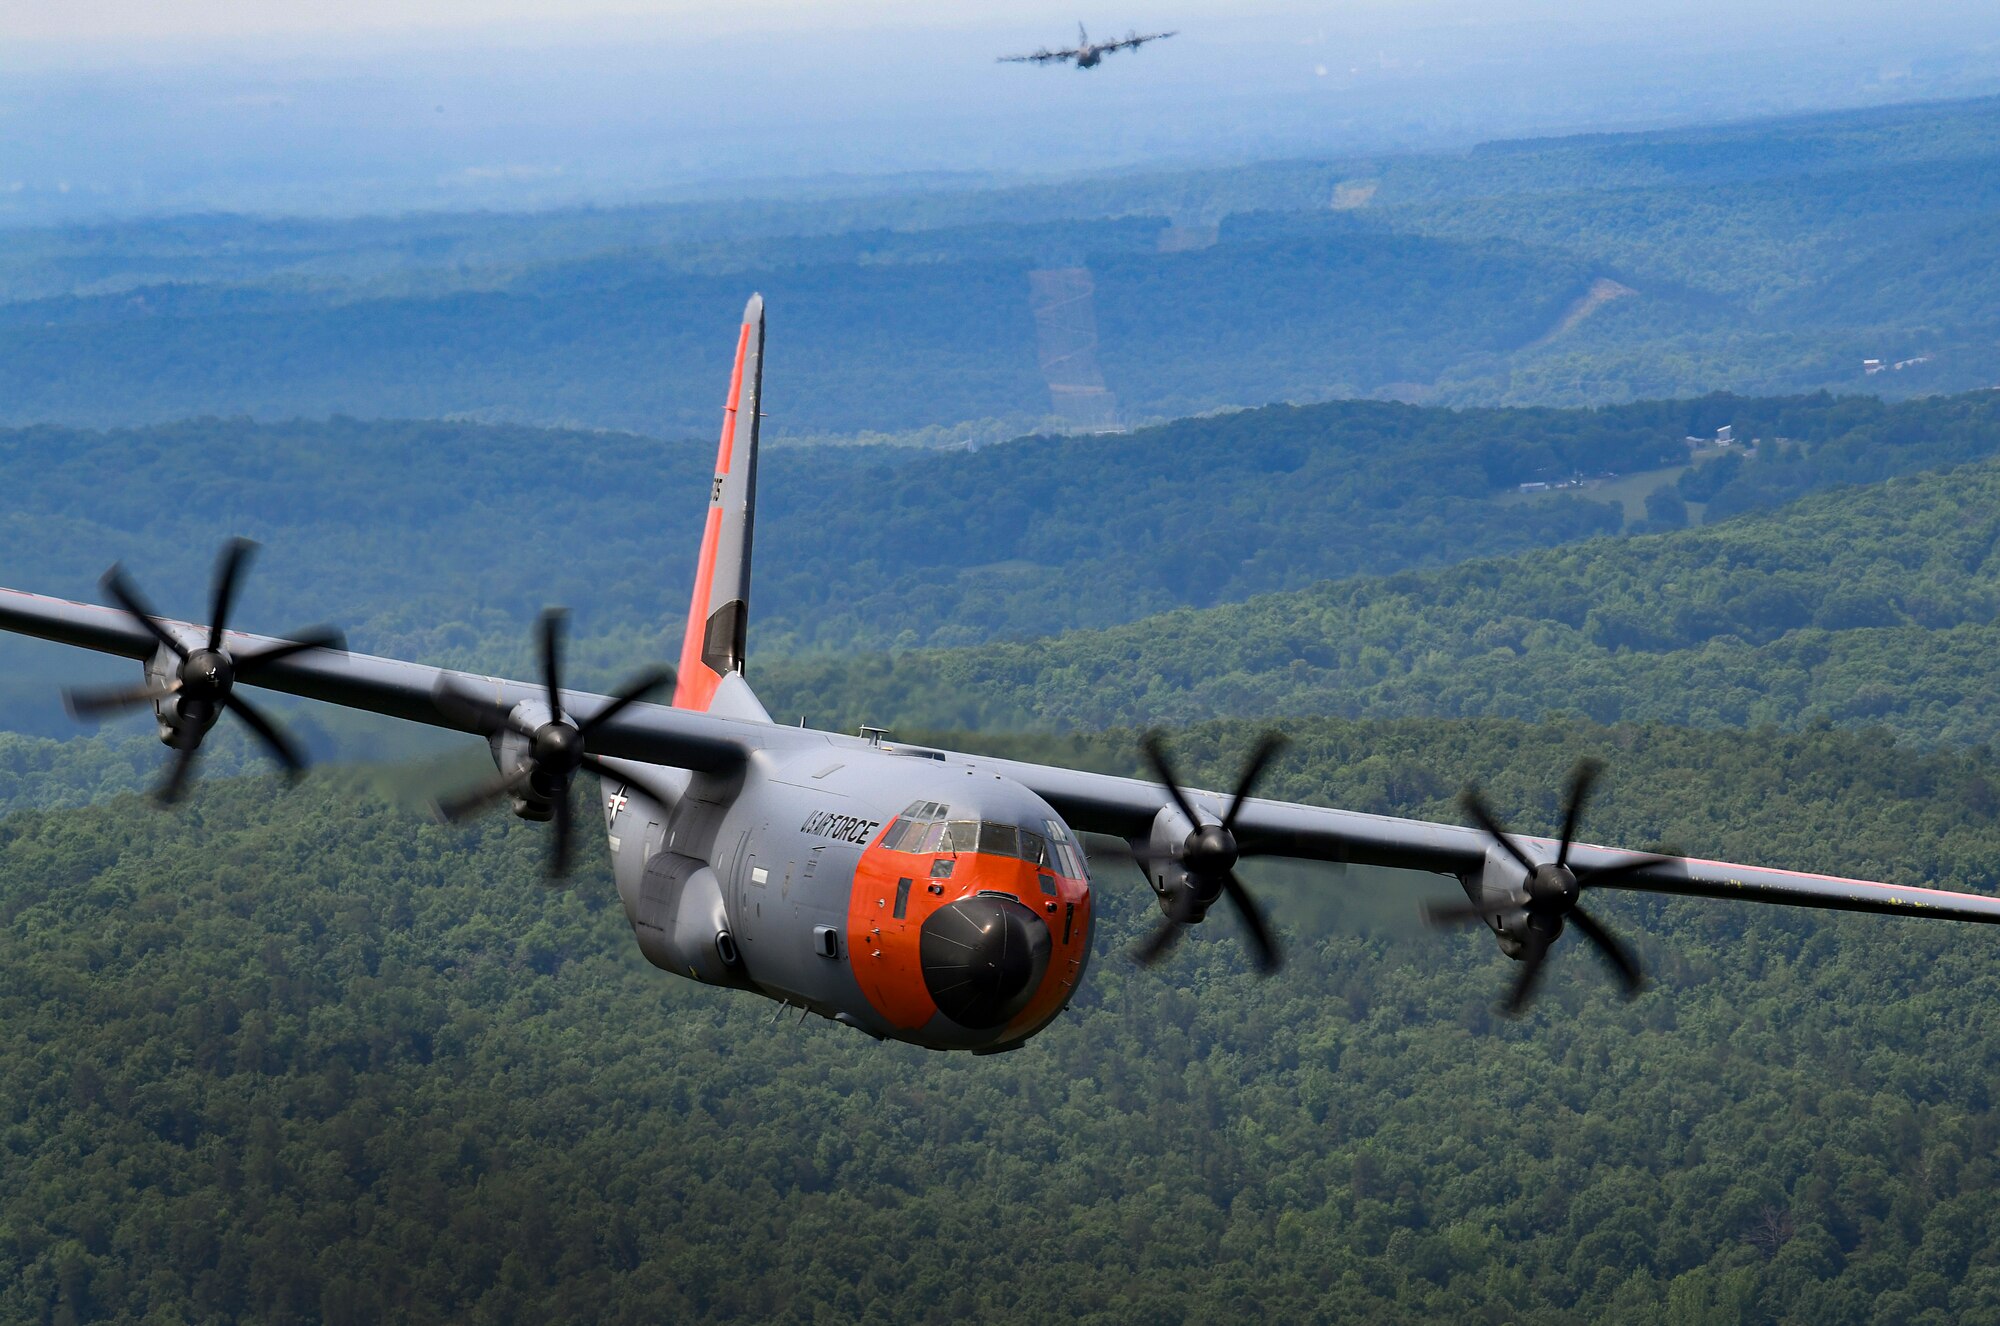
983,959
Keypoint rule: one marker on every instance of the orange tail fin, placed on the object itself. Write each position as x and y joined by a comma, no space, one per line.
719,616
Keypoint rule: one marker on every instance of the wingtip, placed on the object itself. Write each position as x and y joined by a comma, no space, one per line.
754,310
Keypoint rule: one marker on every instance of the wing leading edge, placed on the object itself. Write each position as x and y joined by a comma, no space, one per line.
655,734
1093,803
1127,808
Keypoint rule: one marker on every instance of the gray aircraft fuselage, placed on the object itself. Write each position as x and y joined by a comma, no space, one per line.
877,886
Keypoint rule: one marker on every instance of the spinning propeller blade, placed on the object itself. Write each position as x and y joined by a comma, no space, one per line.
1552,894
1208,857
557,747
202,683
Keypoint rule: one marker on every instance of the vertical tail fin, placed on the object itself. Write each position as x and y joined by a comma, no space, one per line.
719,616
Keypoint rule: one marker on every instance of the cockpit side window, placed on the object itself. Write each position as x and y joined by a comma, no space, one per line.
1063,850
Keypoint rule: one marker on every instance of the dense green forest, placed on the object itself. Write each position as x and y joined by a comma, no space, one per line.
1870,604
872,547
301,1054
483,525
308,1057
1769,258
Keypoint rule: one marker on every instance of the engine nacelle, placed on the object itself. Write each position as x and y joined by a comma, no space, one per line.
1163,846
511,747
1500,877
169,711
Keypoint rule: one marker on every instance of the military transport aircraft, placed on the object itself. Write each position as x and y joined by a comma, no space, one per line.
915,894
1087,53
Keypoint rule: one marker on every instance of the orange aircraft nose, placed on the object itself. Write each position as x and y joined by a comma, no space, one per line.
983,959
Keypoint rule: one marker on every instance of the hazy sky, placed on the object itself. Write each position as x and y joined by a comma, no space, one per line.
122,20
141,25
93,21
117,106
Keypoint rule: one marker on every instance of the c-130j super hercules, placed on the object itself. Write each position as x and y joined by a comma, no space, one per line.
1086,54
914,894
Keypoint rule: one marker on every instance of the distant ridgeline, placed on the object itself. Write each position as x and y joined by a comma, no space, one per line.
1876,605
879,345
1771,257
447,536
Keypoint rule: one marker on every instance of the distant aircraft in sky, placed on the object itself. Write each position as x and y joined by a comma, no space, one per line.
1086,53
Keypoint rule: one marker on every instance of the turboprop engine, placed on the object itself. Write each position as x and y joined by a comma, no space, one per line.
191,678
1190,857
1529,901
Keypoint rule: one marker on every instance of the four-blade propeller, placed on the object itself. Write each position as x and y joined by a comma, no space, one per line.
203,681
556,747
1551,894
1208,856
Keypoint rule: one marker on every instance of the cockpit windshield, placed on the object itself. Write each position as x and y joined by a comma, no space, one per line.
926,826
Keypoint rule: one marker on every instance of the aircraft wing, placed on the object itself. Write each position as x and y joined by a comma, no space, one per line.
655,734
1039,57
1133,41
1127,807
1090,802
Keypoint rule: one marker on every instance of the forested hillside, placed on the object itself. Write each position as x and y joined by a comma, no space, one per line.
448,538
880,345
1872,604
308,1057
1768,258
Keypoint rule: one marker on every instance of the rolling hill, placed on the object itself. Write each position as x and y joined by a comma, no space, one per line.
442,541
1871,605
1766,258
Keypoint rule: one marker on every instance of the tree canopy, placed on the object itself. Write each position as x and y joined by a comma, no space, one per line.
308,1057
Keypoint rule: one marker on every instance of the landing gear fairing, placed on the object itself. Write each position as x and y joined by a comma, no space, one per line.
912,894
